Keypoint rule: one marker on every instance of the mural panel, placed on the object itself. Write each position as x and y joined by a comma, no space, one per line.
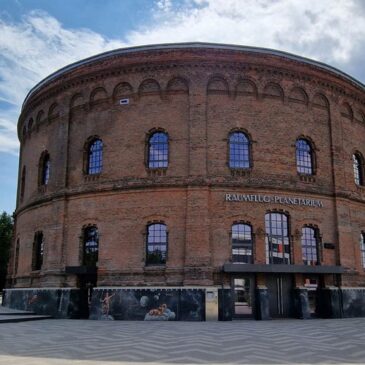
59,303
148,304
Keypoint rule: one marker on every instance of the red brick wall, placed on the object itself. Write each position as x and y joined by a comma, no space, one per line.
279,104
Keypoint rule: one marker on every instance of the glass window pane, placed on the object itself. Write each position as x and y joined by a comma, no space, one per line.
356,161
38,251
158,150
239,150
91,246
304,157
95,159
242,243
45,170
156,244
362,249
309,246
22,186
277,239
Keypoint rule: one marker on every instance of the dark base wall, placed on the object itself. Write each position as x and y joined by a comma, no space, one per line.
345,302
353,302
174,304
148,304
301,304
225,305
262,304
59,303
331,303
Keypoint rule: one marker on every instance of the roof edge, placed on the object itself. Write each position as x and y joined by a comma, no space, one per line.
186,45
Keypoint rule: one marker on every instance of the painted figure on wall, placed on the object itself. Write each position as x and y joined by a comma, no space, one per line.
162,313
106,306
32,299
147,304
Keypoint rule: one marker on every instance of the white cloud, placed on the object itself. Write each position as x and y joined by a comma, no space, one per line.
7,131
326,30
31,50
164,5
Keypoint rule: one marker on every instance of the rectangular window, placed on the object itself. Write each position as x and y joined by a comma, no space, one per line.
310,246
156,244
90,246
158,150
362,249
38,251
277,239
16,257
242,243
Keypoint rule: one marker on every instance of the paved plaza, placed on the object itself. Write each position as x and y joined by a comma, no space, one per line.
247,342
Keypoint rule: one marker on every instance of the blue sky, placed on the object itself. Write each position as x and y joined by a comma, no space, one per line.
38,37
112,18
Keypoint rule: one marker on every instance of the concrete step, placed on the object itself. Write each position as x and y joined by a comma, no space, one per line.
14,312
18,318
10,315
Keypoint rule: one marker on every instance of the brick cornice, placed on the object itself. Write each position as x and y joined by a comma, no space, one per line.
199,182
343,88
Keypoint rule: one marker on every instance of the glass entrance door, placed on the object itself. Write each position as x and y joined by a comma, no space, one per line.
243,297
280,298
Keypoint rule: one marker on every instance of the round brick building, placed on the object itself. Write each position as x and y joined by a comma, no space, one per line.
191,181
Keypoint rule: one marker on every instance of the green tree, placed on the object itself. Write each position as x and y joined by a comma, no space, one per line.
6,234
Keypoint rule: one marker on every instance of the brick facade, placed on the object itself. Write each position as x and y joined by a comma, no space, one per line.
198,95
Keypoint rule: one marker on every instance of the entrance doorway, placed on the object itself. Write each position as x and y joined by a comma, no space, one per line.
243,297
280,295
311,282
86,283
88,278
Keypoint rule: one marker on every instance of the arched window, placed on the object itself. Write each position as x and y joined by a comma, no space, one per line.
362,248
304,156
90,246
95,157
24,131
30,124
358,169
242,243
16,259
239,151
158,150
310,242
22,183
277,238
45,166
38,251
156,245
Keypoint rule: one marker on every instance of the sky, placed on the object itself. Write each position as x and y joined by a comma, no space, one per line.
37,37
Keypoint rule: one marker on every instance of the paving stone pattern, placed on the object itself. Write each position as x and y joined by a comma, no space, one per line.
249,342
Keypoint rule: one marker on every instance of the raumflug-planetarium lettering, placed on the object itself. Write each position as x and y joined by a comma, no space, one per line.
258,198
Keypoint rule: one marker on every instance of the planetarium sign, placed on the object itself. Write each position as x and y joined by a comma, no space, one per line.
284,200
